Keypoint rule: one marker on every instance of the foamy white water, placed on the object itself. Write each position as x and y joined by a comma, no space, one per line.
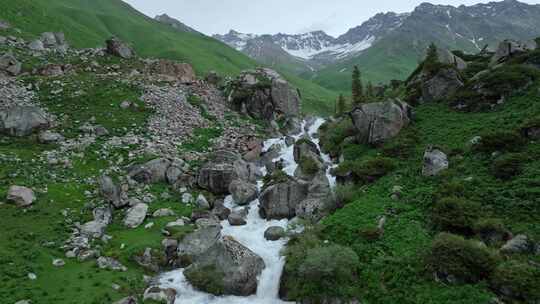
251,235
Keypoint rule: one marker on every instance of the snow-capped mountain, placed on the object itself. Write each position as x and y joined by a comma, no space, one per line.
319,46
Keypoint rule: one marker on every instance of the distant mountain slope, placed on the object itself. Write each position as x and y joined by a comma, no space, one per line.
164,18
468,28
87,23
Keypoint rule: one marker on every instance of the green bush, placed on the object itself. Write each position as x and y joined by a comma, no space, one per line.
180,232
308,165
277,177
518,281
332,135
345,194
501,141
508,166
455,215
368,170
453,188
491,231
207,278
316,271
457,260
403,146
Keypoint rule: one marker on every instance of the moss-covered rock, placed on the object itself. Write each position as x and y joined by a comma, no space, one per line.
508,166
207,278
517,281
455,215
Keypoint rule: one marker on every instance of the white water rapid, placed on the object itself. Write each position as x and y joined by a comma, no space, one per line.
251,235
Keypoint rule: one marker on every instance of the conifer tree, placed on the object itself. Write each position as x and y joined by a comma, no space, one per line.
357,89
370,91
340,107
432,59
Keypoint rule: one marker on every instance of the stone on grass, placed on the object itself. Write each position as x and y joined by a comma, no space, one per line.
135,215
202,202
58,263
435,161
110,264
22,196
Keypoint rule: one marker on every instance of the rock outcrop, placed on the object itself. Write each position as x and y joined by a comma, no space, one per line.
224,167
380,121
509,48
10,65
441,85
182,72
118,48
279,201
21,196
22,120
264,94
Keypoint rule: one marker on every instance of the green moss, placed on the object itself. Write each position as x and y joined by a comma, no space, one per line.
308,165
517,281
491,231
456,259
207,278
370,169
332,135
455,215
180,232
508,166
277,177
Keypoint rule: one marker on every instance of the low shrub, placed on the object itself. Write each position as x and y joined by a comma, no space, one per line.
456,260
308,165
501,141
316,271
455,215
345,194
332,135
517,281
453,188
276,177
403,146
371,169
207,278
507,166
491,231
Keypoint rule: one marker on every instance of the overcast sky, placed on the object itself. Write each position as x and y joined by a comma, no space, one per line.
273,16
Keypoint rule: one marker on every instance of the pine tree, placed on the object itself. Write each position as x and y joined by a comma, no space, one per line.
432,59
340,107
357,89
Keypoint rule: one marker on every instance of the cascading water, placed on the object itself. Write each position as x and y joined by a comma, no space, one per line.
251,235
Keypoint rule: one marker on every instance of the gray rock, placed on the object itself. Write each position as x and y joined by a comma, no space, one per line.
22,120
21,196
160,295
52,70
305,148
135,215
217,174
10,65
93,229
447,57
153,171
319,202
197,243
274,233
58,263
271,95
103,214
127,300
441,85
518,244
177,223
279,201
380,121
509,48
164,212
202,202
48,137
110,264
187,198
221,212
4,25
36,45
236,219
243,192
240,266
118,48
48,39
110,192
435,161
173,174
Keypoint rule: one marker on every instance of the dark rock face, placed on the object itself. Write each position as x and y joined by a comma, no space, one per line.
264,94
118,48
441,85
279,201
378,122
22,120
224,167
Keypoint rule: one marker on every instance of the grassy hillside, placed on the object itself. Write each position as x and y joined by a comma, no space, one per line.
87,23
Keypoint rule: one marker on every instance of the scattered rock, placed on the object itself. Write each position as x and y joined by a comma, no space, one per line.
164,212
274,233
127,300
9,64
49,137
435,161
118,48
58,263
187,198
36,45
110,192
110,264
93,229
518,244
509,48
22,196
153,171
202,202
279,201
236,219
135,215
197,243
182,72
160,295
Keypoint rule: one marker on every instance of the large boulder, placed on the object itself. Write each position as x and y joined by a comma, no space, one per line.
279,201
447,57
22,120
237,266
22,196
442,84
264,94
509,48
109,191
319,201
197,243
135,215
223,168
53,41
243,192
118,48
10,65
153,171
305,148
380,121
182,72
93,229
435,161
